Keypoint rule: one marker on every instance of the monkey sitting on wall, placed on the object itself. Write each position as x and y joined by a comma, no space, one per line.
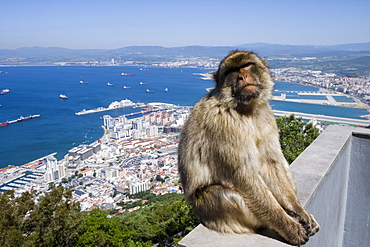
230,160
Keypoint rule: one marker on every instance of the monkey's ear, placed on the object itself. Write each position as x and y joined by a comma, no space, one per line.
215,76
264,61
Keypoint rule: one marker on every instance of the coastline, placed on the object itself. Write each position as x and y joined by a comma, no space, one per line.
61,129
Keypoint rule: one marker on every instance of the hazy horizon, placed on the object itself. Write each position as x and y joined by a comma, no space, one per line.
175,46
97,24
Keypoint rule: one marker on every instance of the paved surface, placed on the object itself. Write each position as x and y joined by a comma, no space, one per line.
361,122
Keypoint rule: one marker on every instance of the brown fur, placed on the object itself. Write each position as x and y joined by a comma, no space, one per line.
230,160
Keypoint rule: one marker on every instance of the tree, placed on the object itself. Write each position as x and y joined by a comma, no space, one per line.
98,230
51,185
163,217
54,220
12,213
295,136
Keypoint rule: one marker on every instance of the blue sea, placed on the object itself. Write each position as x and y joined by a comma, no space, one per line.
36,90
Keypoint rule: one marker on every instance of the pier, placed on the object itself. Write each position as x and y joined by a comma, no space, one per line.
114,105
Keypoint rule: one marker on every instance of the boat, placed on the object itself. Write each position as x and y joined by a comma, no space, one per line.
110,84
148,91
142,69
62,96
83,82
20,119
23,118
4,124
166,89
4,91
126,74
142,83
125,87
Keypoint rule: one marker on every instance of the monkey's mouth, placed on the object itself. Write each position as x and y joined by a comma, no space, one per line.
245,86
245,93
250,84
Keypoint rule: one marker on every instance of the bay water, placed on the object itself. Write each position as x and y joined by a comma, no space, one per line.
36,90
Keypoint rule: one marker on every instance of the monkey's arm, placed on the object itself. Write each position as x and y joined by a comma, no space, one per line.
262,203
279,179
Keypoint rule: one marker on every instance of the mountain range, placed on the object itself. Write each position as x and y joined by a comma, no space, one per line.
263,49
357,53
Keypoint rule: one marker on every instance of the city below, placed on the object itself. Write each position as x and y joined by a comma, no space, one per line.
133,155
140,154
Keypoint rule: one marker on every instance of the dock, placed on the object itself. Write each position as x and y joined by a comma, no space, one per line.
114,105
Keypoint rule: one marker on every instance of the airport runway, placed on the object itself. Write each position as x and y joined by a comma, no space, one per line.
360,122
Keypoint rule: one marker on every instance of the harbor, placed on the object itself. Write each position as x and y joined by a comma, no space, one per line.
59,128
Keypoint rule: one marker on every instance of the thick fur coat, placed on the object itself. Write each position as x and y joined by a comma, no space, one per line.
230,161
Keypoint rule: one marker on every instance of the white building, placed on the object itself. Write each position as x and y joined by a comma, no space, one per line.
138,187
109,172
137,125
152,131
54,171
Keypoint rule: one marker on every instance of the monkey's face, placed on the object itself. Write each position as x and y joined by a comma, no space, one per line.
244,77
246,85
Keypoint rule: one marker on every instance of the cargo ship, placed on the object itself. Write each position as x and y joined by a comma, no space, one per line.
4,91
21,118
4,124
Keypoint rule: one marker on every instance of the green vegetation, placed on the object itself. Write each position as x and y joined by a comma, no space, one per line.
295,136
55,220
52,221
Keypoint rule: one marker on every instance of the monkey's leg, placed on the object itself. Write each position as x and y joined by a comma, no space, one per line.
266,208
282,185
222,209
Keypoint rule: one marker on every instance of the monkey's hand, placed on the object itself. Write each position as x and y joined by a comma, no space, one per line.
307,221
294,232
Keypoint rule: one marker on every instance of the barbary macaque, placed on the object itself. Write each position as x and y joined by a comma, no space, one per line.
230,160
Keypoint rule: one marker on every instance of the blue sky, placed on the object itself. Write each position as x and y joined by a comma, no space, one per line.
113,24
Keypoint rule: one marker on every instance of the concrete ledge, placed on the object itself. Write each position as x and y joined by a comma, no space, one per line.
322,176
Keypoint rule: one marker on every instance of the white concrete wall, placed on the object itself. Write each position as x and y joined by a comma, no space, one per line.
333,179
357,222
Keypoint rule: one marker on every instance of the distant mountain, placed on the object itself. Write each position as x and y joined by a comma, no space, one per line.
188,51
155,54
306,50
